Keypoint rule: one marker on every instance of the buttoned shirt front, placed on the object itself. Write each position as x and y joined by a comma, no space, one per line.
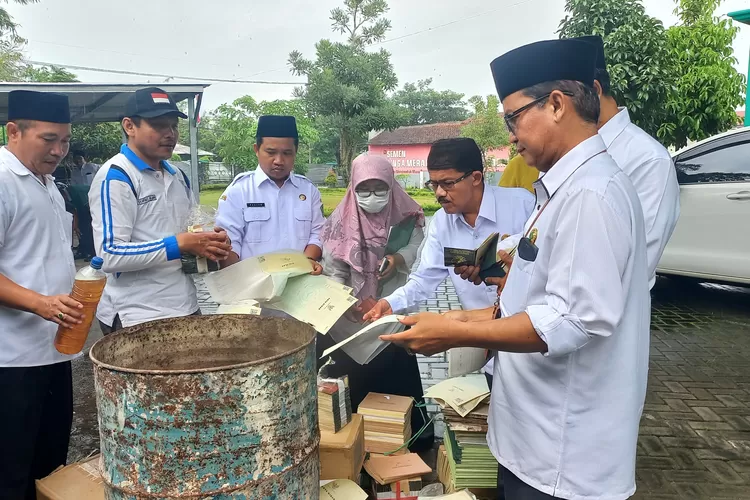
503,210
136,213
650,168
35,253
566,422
261,217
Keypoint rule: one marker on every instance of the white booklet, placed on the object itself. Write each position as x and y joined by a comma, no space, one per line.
465,360
364,345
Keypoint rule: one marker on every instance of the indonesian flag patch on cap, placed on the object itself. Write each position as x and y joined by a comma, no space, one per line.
160,98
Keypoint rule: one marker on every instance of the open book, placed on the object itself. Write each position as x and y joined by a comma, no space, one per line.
484,257
365,345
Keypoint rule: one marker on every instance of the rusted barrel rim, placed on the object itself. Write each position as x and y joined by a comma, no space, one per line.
132,329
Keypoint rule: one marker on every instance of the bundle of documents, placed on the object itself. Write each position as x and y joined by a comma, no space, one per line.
334,404
470,461
386,470
280,281
364,345
462,394
387,422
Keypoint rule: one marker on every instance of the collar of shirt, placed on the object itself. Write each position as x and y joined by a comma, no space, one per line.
565,166
259,177
486,209
615,126
140,164
18,168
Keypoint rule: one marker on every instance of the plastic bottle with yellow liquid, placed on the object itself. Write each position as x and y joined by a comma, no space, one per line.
87,289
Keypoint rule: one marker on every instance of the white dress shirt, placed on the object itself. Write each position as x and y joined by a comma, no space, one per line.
566,422
260,217
35,240
136,213
650,168
88,171
503,210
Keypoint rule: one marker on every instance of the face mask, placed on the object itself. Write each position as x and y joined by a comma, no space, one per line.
372,204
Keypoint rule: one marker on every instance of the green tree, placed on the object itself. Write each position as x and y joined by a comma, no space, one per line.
708,87
48,74
347,85
638,56
427,105
12,64
486,127
362,20
234,127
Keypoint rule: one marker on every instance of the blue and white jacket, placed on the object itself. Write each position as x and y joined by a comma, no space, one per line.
136,213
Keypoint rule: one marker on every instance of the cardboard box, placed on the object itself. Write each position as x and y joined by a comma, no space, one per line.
342,454
79,481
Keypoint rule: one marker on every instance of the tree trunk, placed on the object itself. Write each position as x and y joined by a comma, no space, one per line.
346,155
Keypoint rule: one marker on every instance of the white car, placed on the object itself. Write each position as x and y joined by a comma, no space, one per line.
712,238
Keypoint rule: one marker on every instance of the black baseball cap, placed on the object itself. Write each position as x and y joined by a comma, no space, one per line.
151,103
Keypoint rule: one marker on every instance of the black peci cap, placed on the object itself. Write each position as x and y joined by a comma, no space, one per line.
542,62
277,126
596,41
151,103
40,106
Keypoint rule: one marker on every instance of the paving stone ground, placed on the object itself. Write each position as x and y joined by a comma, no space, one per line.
695,431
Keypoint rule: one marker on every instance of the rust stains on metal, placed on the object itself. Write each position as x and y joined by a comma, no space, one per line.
209,407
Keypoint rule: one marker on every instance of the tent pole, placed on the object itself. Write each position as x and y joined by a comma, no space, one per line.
192,120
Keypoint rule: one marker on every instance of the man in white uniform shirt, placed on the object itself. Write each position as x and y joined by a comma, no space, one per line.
471,211
87,169
271,209
139,207
647,163
36,276
573,334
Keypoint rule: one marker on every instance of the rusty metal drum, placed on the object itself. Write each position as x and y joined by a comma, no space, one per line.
220,407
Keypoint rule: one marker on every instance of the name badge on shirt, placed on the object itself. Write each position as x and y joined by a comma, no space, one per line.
256,205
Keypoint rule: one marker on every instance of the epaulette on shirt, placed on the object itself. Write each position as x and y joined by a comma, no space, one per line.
241,175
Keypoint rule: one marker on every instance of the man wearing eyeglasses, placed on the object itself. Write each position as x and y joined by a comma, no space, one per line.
572,334
471,211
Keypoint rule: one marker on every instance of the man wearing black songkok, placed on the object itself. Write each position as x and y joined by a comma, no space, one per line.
36,276
572,334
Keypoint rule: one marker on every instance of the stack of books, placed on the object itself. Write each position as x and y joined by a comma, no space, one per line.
334,404
387,422
468,462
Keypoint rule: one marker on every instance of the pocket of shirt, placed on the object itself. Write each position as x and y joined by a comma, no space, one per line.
516,292
303,222
256,219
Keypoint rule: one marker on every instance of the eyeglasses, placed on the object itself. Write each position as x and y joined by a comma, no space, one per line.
512,118
445,185
379,193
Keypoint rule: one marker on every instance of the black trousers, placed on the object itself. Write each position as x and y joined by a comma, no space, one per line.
86,243
36,415
509,487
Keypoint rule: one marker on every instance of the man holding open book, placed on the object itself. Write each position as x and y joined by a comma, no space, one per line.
471,217
573,329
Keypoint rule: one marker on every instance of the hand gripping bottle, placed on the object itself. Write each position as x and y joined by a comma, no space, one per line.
87,289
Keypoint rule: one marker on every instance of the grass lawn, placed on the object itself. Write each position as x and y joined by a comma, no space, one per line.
333,196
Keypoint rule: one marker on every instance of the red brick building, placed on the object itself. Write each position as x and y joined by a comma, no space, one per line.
407,147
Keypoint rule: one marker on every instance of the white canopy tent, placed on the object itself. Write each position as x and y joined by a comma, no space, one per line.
105,102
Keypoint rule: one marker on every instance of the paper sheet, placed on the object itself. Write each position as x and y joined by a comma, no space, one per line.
244,307
316,300
464,360
463,394
258,278
342,489
364,345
